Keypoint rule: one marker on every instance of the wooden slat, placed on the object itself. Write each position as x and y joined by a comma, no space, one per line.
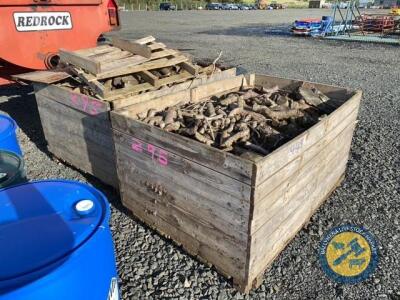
133,47
128,91
145,40
120,65
184,169
182,76
47,77
280,200
163,53
95,50
81,61
222,162
156,46
82,141
294,148
142,207
194,70
263,255
195,206
150,65
130,100
148,76
91,81
204,91
292,167
83,103
111,56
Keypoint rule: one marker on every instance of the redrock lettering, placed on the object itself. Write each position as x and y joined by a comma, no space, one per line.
42,21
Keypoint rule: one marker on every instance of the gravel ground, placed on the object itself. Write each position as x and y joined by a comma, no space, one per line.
152,267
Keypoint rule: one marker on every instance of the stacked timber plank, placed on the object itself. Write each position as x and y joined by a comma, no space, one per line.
74,103
236,212
129,67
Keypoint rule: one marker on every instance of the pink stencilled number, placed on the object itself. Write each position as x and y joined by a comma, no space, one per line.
151,149
85,102
137,146
75,99
162,157
94,106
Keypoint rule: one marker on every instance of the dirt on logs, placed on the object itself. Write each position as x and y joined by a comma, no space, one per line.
253,119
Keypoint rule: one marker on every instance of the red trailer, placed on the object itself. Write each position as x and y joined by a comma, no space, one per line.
32,31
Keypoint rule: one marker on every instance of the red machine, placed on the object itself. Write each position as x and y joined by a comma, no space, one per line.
32,31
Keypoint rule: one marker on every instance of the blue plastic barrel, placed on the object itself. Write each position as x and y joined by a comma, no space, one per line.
56,243
8,136
11,170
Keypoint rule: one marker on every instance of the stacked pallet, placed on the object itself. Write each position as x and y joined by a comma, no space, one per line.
74,103
130,67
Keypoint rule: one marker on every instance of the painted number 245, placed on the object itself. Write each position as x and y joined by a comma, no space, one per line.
157,154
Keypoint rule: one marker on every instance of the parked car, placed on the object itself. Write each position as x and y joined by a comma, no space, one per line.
167,6
243,7
213,6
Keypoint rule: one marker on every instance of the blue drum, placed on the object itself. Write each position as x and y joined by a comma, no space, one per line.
56,243
8,136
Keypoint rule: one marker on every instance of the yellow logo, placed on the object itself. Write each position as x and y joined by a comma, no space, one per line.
348,254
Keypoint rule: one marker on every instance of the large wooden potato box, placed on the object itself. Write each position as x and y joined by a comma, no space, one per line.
237,214
77,127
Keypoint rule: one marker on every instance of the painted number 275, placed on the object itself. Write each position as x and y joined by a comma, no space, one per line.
157,154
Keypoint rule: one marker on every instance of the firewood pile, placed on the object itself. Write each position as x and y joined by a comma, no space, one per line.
252,119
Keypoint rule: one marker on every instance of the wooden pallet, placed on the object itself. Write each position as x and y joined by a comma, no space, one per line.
233,212
124,57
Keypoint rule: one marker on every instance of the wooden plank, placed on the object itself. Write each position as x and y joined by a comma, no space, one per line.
67,125
43,76
182,76
261,256
84,148
150,65
223,262
338,93
111,56
297,146
192,69
99,122
133,47
133,99
148,76
81,61
203,231
291,168
163,53
204,91
279,200
156,46
128,90
80,102
222,162
91,81
95,50
121,64
176,166
145,40
200,209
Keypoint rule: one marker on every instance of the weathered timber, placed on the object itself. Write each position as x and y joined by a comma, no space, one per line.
275,194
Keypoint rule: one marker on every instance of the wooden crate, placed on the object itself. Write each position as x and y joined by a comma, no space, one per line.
77,127
234,213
